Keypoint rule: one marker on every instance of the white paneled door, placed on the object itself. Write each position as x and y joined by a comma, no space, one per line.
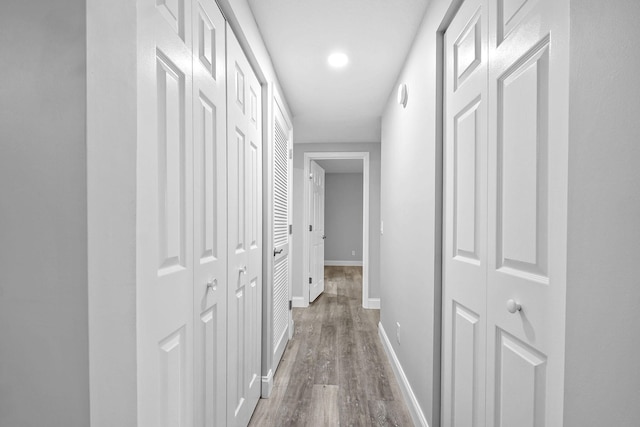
465,244
506,116
210,214
244,163
527,210
316,229
165,215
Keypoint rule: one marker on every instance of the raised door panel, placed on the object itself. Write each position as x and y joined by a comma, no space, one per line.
210,214
520,388
465,392
165,214
464,300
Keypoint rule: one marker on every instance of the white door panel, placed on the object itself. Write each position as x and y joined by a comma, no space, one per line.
316,263
244,151
465,256
165,215
210,214
528,87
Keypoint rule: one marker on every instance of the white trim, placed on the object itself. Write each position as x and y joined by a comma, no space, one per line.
342,263
267,384
299,302
373,303
346,155
410,398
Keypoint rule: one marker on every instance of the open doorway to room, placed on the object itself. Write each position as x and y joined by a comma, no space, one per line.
336,215
343,222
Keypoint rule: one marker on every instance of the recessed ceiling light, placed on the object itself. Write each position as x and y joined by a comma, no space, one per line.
338,60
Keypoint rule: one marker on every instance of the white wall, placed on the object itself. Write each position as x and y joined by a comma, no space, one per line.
44,364
411,192
374,206
343,216
603,286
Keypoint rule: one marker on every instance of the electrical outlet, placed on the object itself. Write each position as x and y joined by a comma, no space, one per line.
398,332
353,253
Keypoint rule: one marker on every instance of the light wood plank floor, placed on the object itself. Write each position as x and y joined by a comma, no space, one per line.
334,370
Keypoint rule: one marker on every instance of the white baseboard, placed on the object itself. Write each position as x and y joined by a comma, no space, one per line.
410,398
298,302
267,385
373,303
331,263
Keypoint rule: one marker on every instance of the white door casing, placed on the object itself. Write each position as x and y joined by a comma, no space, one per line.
464,254
527,211
244,165
307,237
282,164
165,214
316,253
210,213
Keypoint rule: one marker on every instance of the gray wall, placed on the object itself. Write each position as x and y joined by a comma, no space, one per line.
374,206
44,366
343,216
603,294
410,208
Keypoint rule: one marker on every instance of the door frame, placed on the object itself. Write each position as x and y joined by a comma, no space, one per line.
438,352
346,155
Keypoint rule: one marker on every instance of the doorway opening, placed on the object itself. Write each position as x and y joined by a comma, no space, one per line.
311,159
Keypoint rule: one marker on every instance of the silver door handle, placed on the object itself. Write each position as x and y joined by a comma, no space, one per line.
243,269
212,285
513,306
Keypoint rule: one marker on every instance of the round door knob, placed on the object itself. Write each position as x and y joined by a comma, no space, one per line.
243,269
212,284
513,306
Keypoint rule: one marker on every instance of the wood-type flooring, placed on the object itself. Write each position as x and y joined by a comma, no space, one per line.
334,371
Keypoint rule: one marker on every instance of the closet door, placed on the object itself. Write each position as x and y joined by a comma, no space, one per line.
244,172
165,214
465,255
210,214
528,140
281,237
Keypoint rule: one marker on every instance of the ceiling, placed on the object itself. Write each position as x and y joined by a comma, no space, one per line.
337,105
341,165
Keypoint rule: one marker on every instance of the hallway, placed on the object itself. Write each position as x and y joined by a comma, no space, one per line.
334,370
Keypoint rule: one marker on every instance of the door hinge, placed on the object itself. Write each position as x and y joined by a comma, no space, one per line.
290,304
290,228
310,280
310,227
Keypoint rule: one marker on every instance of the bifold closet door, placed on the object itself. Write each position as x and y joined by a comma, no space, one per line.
527,211
465,245
506,121
210,214
165,214
244,166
